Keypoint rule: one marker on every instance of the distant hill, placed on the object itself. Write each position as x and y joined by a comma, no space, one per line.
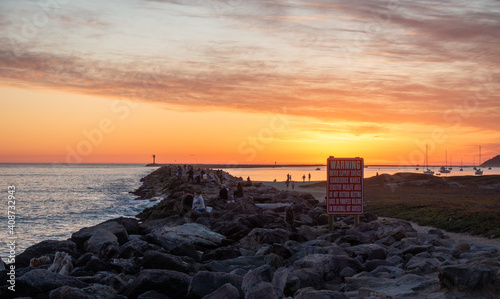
493,162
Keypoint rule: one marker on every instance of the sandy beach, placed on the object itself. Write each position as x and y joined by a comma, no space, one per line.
318,192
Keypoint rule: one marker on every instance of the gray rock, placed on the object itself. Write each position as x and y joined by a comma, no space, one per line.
186,249
193,233
398,229
355,237
274,260
306,232
327,265
41,281
387,272
242,262
259,236
347,272
227,291
68,292
205,283
310,278
172,283
153,295
48,247
250,280
367,251
87,232
419,265
135,248
158,260
404,286
416,249
100,240
372,264
99,291
262,290
221,253
466,277
310,293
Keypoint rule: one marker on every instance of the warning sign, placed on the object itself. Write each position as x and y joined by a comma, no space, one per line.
344,192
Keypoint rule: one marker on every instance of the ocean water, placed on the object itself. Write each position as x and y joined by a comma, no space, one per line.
297,172
54,200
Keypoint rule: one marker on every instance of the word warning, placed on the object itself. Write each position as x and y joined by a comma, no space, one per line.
344,194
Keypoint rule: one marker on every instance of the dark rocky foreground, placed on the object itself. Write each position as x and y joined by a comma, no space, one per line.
246,249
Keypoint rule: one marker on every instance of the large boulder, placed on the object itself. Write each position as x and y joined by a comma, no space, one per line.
103,243
194,233
135,248
328,266
87,232
158,260
99,291
205,283
68,292
259,236
48,247
227,291
172,283
466,277
241,262
40,281
310,293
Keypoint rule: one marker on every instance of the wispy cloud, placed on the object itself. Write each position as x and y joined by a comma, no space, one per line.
375,62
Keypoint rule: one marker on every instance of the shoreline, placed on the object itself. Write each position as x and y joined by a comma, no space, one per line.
249,250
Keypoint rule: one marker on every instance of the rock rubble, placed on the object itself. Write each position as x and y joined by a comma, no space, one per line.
245,249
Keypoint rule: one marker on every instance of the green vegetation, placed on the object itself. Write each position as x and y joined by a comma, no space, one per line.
464,204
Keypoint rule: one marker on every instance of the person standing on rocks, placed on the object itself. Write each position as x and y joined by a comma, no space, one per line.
304,178
179,172
223,194
239,191
190,174
187,202
198,202
309,176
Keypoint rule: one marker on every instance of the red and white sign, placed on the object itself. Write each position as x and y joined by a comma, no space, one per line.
344,193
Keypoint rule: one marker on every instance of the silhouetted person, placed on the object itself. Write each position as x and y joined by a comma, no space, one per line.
309,177
190,175
304,178
223,194
187,202
249,182
239,191
289,218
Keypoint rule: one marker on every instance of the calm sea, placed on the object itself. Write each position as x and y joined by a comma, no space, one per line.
54,200
297,172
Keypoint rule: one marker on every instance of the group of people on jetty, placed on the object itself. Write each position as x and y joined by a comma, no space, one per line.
195,201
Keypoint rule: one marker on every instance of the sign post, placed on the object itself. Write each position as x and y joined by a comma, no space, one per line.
344,194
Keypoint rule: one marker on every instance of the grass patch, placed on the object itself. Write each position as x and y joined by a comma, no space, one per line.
459,204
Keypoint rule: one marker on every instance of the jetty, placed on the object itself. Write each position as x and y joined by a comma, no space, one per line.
266,243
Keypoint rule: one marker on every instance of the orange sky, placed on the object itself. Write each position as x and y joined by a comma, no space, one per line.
249,82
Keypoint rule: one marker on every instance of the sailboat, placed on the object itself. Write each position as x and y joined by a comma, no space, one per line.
428,171
444,169
479,171
451,163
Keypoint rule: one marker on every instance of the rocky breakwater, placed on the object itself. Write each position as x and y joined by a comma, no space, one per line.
266,244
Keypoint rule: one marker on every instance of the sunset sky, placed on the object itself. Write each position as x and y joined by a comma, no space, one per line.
234,81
